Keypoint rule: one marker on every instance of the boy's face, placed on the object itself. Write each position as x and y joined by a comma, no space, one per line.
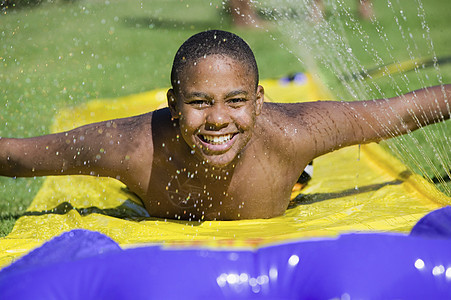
216,104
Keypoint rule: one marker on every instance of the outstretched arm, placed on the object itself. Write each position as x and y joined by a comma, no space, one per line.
333,125
103,149
403,114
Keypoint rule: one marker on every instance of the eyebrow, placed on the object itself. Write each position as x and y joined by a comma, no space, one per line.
206,96
237,92
198,95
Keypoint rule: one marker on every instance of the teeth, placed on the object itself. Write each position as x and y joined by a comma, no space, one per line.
216,140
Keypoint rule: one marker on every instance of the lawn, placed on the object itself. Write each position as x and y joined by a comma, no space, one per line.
66,53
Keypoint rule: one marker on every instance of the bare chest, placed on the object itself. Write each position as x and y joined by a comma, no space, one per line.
254,188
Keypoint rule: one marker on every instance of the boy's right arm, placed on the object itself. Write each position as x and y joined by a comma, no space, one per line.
102,149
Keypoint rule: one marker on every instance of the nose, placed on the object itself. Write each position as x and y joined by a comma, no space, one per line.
217,117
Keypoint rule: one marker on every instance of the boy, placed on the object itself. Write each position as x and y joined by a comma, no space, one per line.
218,152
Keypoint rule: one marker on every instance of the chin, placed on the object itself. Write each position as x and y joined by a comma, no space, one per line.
219,162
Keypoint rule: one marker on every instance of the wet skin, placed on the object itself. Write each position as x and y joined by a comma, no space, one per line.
218,163
218,152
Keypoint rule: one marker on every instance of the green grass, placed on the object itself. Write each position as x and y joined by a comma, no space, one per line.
66,53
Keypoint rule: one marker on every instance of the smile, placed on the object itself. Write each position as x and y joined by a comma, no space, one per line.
216,139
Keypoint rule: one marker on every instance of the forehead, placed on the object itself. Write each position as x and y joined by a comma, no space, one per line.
217,68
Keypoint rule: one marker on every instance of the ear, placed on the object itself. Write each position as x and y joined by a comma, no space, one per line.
259,99
172,103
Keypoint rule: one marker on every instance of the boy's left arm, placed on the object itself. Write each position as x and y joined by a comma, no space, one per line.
403,114
333,125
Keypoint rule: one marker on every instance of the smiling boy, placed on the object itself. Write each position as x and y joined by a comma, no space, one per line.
218,152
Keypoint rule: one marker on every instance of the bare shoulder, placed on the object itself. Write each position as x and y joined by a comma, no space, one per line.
310,128
132,146
118,140
137,124
118,148
120,135
287,127
300,117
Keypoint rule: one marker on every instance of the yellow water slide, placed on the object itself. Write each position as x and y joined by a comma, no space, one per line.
355,189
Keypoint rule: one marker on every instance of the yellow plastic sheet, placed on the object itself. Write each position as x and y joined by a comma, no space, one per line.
355,189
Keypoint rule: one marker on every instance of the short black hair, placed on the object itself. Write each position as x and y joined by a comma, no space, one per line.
212,42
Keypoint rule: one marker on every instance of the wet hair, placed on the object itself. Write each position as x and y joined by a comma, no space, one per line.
212,42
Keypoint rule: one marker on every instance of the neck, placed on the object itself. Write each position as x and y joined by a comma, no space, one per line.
203,169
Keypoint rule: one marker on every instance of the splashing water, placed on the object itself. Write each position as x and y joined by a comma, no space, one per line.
337,47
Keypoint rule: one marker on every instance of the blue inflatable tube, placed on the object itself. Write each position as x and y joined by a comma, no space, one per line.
87,265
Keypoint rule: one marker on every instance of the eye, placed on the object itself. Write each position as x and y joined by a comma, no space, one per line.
237,102
198,103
